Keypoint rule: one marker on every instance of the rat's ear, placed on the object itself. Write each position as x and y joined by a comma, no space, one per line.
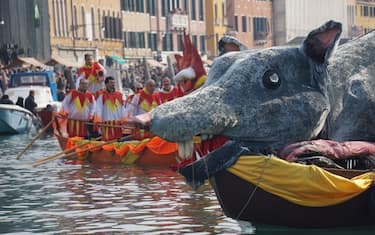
321,42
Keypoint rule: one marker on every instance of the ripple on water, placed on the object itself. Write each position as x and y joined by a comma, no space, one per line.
57,198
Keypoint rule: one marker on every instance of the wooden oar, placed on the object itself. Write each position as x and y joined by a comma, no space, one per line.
99,124
66,151
64,155
34,139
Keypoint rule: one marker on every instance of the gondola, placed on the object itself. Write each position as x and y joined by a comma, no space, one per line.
269,190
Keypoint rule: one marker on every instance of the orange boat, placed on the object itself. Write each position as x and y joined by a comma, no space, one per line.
153,151
148,152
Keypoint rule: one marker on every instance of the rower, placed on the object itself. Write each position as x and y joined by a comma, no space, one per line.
110,111
78,106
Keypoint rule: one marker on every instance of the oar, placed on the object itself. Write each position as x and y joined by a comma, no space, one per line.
57,155
101,124
34,139
45,160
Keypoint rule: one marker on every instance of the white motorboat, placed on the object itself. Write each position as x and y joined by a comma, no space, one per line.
15,119
44,86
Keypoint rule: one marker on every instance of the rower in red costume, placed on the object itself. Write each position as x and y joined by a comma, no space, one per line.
168,92
92,71
79,107
110,111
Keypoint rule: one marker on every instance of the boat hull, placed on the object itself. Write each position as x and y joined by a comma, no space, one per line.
145,158
14,119
242,200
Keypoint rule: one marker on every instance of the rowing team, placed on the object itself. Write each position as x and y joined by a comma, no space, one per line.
104,112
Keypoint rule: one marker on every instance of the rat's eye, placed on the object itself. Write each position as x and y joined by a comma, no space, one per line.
271,80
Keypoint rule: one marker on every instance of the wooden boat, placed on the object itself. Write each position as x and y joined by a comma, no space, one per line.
15,119
154,152
269,190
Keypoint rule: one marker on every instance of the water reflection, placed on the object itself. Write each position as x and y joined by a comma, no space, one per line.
58,198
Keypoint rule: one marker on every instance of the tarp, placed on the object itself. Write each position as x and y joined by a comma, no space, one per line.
56,59
305,185
154,63
30,61
117,59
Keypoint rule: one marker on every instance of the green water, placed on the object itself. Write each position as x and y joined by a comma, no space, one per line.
60,198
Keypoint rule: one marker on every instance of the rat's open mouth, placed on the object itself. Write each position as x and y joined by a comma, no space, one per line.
199,148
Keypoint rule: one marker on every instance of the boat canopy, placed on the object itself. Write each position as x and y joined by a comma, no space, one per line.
46,78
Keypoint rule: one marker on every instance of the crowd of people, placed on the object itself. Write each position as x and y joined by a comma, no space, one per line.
96,100
89,96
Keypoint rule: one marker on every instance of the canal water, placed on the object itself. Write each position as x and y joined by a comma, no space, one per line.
61,198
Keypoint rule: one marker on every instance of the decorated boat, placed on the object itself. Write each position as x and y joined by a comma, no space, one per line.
153,151
309,102
15,119
268,190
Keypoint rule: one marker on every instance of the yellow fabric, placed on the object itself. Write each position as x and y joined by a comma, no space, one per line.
77,104
200,81
112,106
130,158
305,185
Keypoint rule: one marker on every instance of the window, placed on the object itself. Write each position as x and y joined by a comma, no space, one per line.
168,42
139,6
202,43
260,28
132,42
152,42
193,10
83,25
136,40
164,7
179,42
244,24
201,10
175,4
365,11
65,19
130,5
75,22
194,40
112,26
236,23
100,25
215,12
141,40
93,22
186,6
59,17
151,8
55,18
164,42
224,13
125,40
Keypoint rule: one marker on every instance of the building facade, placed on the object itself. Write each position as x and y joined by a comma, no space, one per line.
85,26
251,22
216,24
24,29
296,18
154,28
365,15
